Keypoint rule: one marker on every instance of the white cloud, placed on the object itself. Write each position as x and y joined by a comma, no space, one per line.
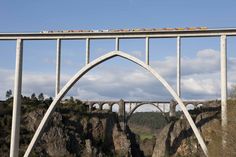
207,54
206,61
137,54
200,80
166,67
198,86
6,81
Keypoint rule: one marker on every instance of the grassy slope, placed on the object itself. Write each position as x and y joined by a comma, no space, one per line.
146,124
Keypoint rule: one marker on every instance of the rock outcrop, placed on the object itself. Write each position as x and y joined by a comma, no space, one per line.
98,134
121,143
177,138
73,134
147,146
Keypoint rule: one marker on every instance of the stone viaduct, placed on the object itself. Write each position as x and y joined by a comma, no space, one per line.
166,108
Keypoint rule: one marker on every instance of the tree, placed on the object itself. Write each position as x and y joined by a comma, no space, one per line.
8,93
232,93
41,97
33,97
72,99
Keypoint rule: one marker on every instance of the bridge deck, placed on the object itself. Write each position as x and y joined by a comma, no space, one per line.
107,101
112,35
147,102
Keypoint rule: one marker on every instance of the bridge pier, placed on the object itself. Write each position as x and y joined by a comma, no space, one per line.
172,113
223,73
90,106
122,115
110,107
58,67
178,77
15,130
100,106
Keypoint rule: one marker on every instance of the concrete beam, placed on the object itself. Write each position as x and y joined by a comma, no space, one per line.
110,35
15,130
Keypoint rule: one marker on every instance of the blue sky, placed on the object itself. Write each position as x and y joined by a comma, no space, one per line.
30,15
39,56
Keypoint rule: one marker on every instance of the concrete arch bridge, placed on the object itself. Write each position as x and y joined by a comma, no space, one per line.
178,34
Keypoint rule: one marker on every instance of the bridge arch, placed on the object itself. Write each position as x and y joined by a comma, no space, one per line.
106,106
91,65
95,106
139,105
115,107
190,106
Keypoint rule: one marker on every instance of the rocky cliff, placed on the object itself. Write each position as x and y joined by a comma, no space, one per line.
177,138
71,133
68,133
88,135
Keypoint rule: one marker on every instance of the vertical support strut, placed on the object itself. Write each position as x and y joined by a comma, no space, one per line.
147,50
87,51
130,107
58,67
178,79
117,44
223,57
15,130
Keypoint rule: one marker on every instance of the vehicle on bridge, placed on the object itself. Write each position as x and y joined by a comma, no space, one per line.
127,30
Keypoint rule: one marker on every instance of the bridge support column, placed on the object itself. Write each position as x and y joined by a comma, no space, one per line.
147,50
110,108
178,66
117,44
122,116
172,112
87,51
15,130
58,67
100,106
223,56
90,107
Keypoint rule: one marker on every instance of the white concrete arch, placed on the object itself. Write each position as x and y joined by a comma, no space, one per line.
88,67
136,107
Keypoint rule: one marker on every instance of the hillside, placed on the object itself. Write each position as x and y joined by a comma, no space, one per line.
70,132
74,132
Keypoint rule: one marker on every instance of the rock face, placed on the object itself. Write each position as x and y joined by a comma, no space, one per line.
98,134
177,138
121,143
147,146
88,135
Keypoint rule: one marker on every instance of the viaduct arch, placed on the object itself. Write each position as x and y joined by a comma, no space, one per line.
93,64
136,107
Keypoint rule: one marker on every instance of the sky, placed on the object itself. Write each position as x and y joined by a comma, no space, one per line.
118,78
